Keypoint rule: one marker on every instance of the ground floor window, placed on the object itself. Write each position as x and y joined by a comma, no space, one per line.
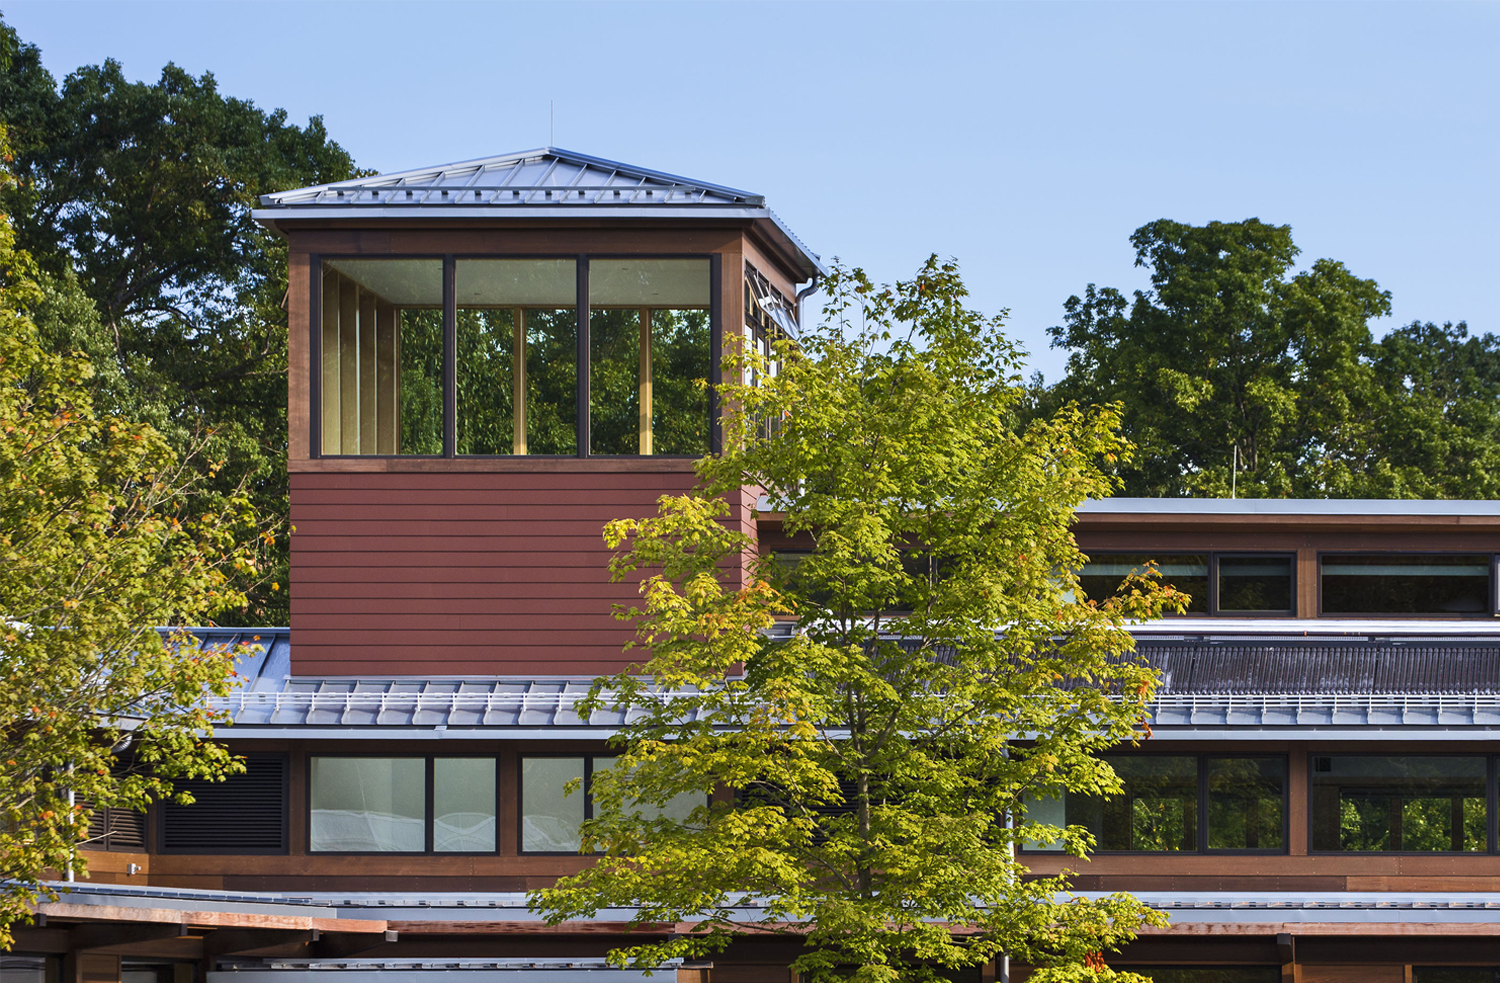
1178,803
1206,974
557,797
1455,974
1400,804
402,804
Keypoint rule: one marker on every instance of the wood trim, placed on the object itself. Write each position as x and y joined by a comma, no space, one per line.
645,381
518,380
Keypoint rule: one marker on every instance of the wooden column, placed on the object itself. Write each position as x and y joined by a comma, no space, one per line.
332,360
518,381
645,373
386,355
1297,801
369,387
1307,583
348,349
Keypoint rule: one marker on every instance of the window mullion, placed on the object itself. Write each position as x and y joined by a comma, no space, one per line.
583,356
450,357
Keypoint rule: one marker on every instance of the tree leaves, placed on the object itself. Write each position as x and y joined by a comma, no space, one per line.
862,768
101,541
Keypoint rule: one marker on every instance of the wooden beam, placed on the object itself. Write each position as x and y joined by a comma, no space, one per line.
205,919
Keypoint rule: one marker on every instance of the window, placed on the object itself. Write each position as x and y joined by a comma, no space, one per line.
382,343
244,813
551,818
1206,974
1429,804
517,356
1217,583
1165,798
489,363
402,805
1369,583
649,359
1455,974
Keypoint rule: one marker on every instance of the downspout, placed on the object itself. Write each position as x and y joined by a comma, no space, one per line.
804,292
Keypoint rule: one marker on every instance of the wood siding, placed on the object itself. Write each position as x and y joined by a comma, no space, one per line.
477,574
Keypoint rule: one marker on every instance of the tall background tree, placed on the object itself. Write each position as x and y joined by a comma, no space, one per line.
105,534
140,193
1236,373
864,768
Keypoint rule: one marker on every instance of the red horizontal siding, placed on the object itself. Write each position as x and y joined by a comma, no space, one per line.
454,574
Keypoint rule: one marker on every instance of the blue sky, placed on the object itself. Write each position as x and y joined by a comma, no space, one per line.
1026,140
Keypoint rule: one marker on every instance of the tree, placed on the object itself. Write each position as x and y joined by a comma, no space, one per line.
849,782
1232,371
143,192
101,541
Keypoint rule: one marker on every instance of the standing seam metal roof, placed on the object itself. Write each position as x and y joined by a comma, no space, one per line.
543,182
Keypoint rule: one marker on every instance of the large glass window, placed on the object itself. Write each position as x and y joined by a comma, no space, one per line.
1206,974
1216,583
382,805
514,350
382,354
1246,803
1396,584
552,816
649,358
1103,575
463,805
1159,808
368,805
1430,804
517,356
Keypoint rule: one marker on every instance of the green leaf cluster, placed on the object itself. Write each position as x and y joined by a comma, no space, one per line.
139,193
1237,374
862,773
102,539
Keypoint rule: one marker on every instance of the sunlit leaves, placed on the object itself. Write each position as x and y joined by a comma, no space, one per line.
857,776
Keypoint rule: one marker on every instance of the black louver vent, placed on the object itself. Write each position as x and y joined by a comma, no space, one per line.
242,814
115,829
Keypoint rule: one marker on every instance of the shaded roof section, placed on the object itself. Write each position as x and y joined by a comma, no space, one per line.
542,183
1365,675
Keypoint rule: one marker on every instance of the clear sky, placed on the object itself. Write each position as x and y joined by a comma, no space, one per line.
1027,141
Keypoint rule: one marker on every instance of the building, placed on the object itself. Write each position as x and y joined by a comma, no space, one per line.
1318,801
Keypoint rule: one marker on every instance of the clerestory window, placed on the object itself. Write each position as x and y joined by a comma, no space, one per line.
457,356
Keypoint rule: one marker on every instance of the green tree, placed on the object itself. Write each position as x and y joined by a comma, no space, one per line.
1437,420
100,542
1232,371
853,778
142,191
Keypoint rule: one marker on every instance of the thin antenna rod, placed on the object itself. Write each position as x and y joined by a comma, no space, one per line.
1234,474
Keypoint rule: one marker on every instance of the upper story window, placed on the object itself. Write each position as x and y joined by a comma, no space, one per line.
1227,584
1404,584
455,357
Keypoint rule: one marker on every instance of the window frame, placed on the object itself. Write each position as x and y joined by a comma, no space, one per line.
1214,556
1201,848
1492,595
428,816
450,262
1491,817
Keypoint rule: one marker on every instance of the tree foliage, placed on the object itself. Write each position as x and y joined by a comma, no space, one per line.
100,542
141,192
1237,373
853,778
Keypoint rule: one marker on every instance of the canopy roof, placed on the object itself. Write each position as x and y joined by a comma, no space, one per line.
546,182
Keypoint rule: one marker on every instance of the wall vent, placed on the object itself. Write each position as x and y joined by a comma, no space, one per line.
245,813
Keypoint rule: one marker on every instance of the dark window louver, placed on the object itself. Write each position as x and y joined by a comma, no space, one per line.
243,814
116,829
